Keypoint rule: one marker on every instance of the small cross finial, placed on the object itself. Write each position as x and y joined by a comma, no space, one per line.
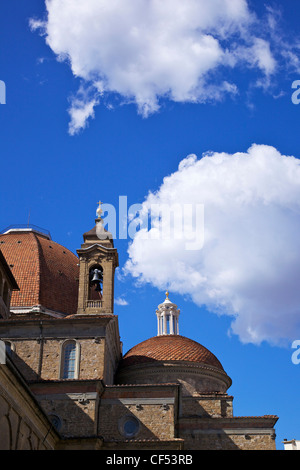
99,211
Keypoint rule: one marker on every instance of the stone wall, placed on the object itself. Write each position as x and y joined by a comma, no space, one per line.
154,408
23,424
235,433
194,378
224,441
37,346
76,413
207,405
74,404
165,447
41,359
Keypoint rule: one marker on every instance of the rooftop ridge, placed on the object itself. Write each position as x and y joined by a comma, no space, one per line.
26,228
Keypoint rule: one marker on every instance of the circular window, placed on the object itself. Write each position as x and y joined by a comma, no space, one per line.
129,426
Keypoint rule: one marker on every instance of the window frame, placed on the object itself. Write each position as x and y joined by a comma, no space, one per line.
62,368
122,426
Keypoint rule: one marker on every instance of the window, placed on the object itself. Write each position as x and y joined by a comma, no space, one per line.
129,426
69,360
55,421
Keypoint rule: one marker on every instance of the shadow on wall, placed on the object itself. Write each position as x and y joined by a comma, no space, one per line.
119,422
70,414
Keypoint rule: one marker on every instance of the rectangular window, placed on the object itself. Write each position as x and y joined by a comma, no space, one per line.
69,361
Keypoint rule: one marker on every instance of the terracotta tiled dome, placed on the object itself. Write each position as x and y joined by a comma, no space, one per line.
46,272
170,348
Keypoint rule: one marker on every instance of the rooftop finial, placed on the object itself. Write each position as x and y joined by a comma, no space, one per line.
99,211
167,295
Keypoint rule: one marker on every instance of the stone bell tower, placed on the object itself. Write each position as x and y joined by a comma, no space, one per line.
98,260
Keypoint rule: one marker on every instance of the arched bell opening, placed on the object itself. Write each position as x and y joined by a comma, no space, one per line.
96,282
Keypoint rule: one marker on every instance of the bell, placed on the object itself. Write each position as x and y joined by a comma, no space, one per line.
96,278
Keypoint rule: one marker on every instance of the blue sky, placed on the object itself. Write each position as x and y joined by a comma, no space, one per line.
144,120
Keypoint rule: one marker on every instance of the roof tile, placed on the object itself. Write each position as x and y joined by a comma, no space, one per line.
170,348
45,271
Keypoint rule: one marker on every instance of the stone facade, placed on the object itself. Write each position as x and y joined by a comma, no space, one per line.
74,405
67,385
231,433
213,405
23,423
154,407
37,346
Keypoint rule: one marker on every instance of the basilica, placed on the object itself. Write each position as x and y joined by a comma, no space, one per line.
65,382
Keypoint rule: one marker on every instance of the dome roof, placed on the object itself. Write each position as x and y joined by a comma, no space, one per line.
170,348
46,272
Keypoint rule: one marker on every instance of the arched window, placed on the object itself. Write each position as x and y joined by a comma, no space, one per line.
69,364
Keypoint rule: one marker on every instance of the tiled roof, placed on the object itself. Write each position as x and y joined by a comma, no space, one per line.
169,348
46,272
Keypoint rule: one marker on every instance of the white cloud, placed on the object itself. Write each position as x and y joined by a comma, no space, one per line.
249,266
262,56
121,302
146,50
81,109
